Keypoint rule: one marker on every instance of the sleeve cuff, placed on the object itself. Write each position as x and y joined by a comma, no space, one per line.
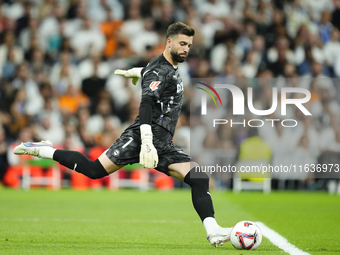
145,128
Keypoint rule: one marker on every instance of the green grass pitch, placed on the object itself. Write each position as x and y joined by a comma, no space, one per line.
132,222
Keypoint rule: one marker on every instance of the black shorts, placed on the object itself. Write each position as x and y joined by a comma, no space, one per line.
127,148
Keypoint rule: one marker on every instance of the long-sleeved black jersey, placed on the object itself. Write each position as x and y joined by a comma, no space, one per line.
163,86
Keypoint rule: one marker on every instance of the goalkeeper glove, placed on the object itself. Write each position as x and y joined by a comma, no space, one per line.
148,156
134,73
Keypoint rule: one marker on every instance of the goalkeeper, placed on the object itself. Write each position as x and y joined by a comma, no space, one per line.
148,140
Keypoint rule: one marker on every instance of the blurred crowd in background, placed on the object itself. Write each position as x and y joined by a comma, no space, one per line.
57,59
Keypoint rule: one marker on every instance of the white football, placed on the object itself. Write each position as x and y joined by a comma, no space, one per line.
246,235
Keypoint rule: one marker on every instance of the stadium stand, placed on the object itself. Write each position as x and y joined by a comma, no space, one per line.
53,53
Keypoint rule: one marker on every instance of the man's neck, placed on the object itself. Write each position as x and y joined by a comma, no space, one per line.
168,57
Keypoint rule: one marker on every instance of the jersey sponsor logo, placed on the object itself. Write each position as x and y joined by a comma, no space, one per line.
154,85
156,72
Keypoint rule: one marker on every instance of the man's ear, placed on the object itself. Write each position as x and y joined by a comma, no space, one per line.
168,42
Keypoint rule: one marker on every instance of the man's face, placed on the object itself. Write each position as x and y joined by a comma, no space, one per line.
180,46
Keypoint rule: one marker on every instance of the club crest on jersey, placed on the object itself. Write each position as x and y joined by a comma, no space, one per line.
154,85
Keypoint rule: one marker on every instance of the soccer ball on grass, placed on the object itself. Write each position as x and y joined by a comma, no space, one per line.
246,235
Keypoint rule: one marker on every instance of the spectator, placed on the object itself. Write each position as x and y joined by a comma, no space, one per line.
88,38
46,8
47,129
109,28
38,64
33,46
311,133
23,21
83,115
96,9
70,128
166,18
316,72
6,96
33,101
133,24
51,111
93,85
325,26
72,100
75,24
304,156
329,140
277,67
249,67
296,16
13,10
9,42
271,32
72,9
221,52
64,73
182,9
316,8
217,8
9,67
332,52
210,25
50,25
95,124
145,37
94,63
27,33
280,48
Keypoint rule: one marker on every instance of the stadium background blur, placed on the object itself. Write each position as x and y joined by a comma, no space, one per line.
57,60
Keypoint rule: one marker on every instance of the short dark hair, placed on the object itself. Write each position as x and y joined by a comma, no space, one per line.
179,28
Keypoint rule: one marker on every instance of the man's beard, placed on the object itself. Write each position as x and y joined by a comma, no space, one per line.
176,57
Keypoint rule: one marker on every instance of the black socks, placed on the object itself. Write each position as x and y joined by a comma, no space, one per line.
201,198
80,163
